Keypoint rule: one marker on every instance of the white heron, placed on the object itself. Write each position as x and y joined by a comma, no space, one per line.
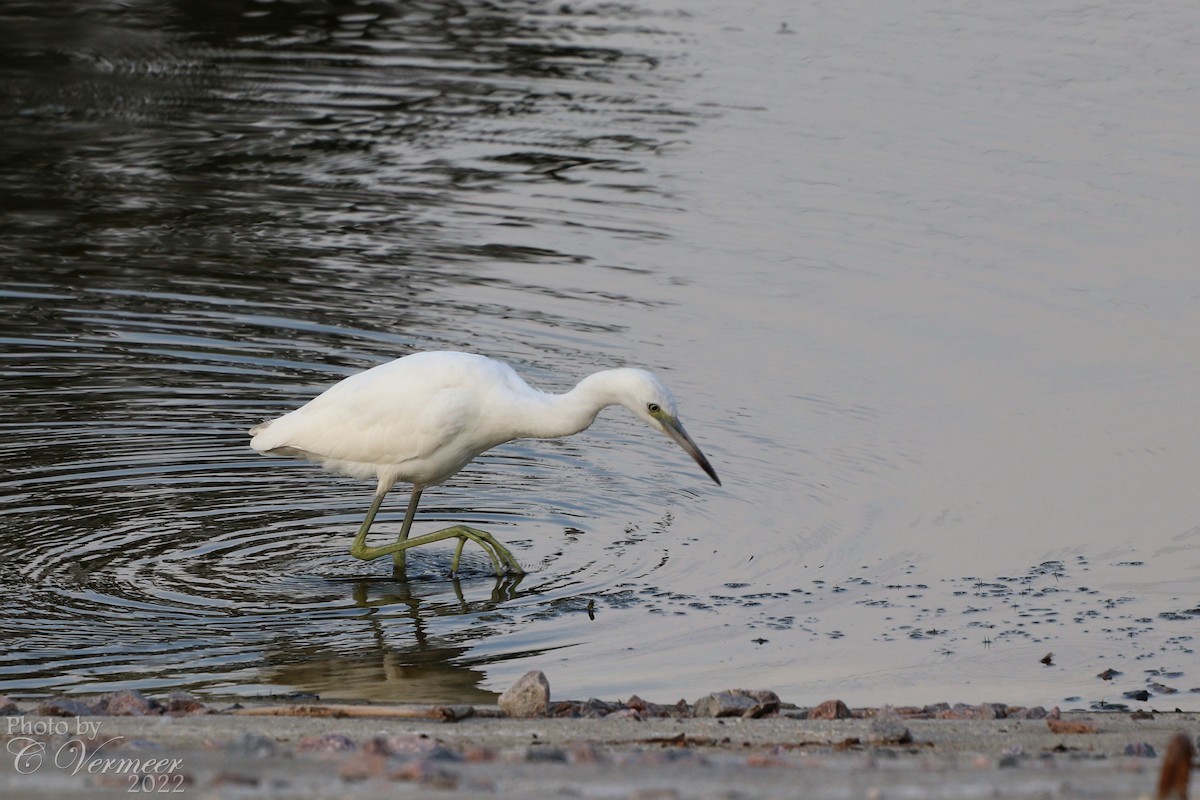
423,417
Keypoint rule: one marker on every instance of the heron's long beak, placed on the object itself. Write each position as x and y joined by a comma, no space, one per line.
673,428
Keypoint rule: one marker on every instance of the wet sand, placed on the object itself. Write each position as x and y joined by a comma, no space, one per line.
476,752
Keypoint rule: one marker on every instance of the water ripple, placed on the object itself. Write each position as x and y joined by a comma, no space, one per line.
220,213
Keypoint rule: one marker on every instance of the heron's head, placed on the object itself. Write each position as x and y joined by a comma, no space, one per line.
646,396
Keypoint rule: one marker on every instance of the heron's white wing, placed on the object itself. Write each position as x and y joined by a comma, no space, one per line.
429,413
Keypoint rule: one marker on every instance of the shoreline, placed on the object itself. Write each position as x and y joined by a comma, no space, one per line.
316,750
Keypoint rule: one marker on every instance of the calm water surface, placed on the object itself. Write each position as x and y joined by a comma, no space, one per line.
923,280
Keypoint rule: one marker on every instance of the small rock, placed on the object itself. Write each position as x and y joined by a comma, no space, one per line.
475,754
1108,674
1140,749
443,753
722,704
64,707
831,709
8,707
1137,694
528,697
563,708
637,703
624,713
181,702
648,709
544,755
909,712
426,773
233,780
458,712
737,703
363,766
1037,712
127,703
588,709
1065,726
376,746
768,703
595,709
326,743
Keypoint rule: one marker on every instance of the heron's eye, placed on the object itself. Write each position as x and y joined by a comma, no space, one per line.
654,408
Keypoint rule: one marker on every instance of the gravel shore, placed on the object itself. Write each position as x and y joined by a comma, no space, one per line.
476,752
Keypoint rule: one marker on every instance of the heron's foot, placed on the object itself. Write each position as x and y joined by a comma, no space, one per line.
502,560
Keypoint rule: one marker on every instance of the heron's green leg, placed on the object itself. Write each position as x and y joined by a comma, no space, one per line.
501,558
400,557
360,539
457,556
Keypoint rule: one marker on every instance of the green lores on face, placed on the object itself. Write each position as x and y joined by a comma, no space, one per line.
674,428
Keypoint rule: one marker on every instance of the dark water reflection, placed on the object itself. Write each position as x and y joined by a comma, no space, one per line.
212,209
238,139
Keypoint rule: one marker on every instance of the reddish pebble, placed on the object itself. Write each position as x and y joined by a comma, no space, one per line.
363,766
1066,726
426,773
229,779
478,755
183,703
831,709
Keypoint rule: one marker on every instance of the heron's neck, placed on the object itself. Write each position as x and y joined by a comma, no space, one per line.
571,412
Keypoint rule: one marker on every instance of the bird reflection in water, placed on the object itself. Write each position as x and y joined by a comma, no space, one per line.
400,653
